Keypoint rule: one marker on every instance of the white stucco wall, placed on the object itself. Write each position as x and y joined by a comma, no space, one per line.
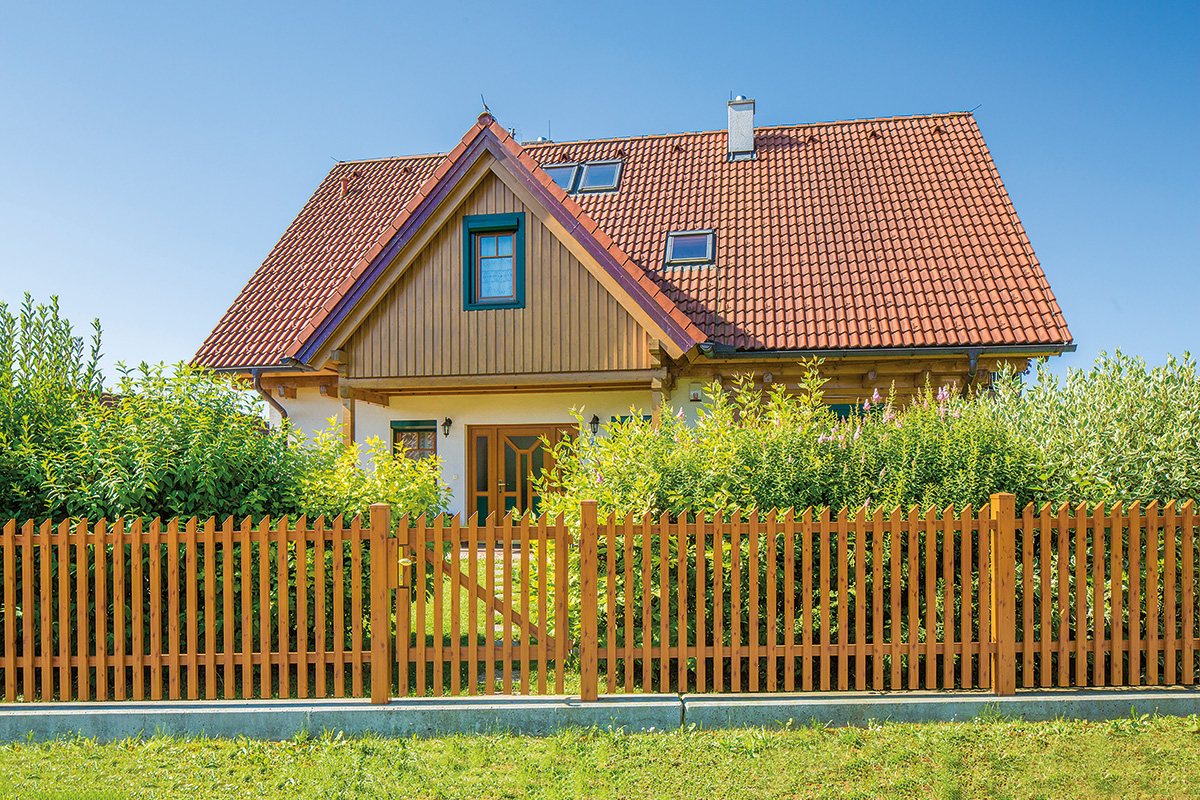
310,411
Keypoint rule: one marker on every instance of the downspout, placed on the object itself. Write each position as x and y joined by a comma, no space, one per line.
275,404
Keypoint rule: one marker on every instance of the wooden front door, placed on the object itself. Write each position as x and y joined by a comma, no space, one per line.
502,463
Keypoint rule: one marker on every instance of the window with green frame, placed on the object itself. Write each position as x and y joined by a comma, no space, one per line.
415,438
494,261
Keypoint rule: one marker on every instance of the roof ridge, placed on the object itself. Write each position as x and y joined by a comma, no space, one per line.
645,136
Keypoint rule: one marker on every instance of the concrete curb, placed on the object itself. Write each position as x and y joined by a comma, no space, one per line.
862,708
276,720
539,716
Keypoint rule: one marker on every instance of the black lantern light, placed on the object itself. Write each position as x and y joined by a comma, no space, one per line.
594,424
446,423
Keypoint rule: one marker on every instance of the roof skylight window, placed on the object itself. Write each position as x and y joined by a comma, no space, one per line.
600,176
690,247
564,175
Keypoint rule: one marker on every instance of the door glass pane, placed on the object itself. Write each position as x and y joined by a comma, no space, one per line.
509,504
538,462
524,481
481,506
481,463
524,442
510,469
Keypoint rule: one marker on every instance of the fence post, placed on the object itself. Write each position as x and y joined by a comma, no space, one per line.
588,633
1004,594
381,622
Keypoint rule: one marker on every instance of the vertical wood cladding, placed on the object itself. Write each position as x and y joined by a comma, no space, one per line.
570,323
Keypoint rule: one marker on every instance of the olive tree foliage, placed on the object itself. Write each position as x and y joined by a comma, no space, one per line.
1120,430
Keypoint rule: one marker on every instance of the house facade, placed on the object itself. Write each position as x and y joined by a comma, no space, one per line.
462,304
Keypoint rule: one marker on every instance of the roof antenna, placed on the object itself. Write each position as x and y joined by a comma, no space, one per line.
972,111
486,110
548,134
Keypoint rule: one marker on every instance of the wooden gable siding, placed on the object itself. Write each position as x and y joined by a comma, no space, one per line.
570,323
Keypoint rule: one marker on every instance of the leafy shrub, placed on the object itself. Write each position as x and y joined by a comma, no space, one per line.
336,482
169,442
1117,431
785,450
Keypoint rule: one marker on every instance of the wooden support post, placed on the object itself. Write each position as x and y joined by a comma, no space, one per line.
381,622
656,400
348,420
588,624
1004,594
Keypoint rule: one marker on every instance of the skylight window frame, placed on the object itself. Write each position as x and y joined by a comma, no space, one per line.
581,188
576,175
710,254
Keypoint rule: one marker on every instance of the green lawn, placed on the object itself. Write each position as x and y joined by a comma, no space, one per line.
982,758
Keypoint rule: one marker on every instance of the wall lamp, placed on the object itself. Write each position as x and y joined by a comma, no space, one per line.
594,424
446,423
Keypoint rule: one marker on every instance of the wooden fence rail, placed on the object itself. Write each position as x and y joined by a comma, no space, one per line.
994,597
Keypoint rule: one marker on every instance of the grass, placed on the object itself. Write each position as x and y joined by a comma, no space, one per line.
1140,756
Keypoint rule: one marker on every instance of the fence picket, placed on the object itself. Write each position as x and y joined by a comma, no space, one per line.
561,546
966,617
320,622
948,521
823,556
752,599
456,610
489,628
664,602
100,551
789,598
524,591
735,603
645,605
701,603
681,610
1026,583
506,615
8,543
301,607
1081,614
894,595
913,560
841,608
28,634
877,649
161,651
1169,597
356,604
610,601
1044,574
265,680
1135,594
283,603
983,525
772,650
931,603
82,671
1189,595
47,597
1098,633
1116,646
1064,594
210,616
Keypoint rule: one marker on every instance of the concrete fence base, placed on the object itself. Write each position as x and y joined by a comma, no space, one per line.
275,720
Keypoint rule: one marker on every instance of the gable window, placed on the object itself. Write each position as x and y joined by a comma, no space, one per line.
415,438
494,261
564,175
600,176
690,247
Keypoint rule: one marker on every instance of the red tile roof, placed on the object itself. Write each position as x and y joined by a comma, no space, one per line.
867,234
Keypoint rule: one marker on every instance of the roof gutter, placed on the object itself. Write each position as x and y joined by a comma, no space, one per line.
725,352
258,387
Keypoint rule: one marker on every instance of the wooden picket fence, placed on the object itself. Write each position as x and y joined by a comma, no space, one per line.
944,599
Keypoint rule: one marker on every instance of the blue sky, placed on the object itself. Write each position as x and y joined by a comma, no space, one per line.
152,154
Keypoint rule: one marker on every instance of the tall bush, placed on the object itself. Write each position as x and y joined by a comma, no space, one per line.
1118,431
788,450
